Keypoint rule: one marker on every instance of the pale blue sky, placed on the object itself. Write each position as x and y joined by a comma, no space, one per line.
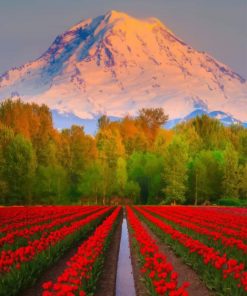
27,27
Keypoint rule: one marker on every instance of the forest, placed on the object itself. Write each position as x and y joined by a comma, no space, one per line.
135,159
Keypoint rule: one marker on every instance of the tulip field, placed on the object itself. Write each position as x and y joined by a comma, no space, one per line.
210,241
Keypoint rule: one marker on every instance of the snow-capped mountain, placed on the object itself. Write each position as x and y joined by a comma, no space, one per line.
225,118
117,64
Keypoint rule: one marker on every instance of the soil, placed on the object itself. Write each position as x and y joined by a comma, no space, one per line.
107,282
185,273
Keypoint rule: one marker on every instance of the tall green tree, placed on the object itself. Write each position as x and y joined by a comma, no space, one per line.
205,178
51,184
231,173
121,176
20,164
146,170
92,183
6,136
243,182
81,153
175,170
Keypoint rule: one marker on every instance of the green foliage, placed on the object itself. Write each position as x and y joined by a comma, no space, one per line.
206,173
243,182
92,184
51,184
231,173
20,164
121,176
132,191
175,170
146,170
229,202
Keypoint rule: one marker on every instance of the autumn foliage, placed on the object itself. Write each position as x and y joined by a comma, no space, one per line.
199,161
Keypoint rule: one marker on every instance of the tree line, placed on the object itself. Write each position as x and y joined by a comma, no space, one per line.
136,158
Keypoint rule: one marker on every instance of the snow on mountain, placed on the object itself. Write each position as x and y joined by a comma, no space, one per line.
117,64
225,118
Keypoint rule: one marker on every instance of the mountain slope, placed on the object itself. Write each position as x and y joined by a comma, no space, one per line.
116,64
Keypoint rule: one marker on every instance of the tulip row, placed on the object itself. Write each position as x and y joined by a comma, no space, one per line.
213,218
20,266
80,277
160,276
228,228
25,235
14,218
16,214
222,273
232,246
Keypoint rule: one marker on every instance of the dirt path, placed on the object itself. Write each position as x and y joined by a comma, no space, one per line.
107,282
185,273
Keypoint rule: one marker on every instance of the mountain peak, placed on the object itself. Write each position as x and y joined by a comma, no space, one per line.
117,64
116,21
115,14
119,16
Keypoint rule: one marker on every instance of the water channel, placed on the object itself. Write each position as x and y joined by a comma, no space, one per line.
125,281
